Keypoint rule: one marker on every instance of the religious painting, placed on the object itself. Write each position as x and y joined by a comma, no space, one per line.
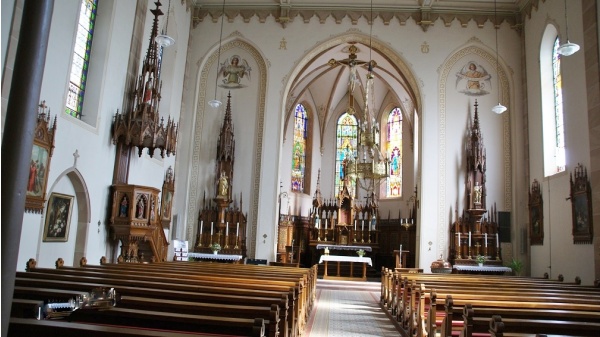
39,164
58,218
581,205
536,215
233,70
473,80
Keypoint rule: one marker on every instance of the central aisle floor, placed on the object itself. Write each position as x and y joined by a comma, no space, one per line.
349,309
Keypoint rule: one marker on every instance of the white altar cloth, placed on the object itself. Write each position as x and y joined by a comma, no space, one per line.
223,257
483,268
338,258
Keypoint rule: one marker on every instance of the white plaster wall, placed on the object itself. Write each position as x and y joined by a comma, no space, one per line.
552,256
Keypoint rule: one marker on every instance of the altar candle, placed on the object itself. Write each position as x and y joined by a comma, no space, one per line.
355,225
325,223
237,229
211,228
469,238
227,228
485,238
362,226
201,225
459,239
497,243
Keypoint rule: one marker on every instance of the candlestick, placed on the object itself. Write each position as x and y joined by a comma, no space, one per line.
469,238
237,229
485,238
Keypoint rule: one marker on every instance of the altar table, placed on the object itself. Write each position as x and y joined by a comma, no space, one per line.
216,257
351,259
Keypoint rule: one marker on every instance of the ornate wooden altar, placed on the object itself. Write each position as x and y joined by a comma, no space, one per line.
472,233
218,221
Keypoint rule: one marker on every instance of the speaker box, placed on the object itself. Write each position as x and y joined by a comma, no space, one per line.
504,226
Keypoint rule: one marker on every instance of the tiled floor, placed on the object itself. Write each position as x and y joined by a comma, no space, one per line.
349,309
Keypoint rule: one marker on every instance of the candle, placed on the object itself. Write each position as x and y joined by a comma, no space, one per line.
211,228
459,239
325,223
227,228
362,226
201,225
469,238
485,238
355,225
497,243
400,249
237,229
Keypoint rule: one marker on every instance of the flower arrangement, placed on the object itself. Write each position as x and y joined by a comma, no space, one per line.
480,259
215,247
360,252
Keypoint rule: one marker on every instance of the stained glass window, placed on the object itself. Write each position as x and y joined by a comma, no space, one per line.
299,148
558,109
81,57
394,153
346,147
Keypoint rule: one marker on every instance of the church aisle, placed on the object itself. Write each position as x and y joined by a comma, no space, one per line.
349,309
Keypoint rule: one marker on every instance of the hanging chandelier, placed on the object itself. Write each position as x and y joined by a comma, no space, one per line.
141,125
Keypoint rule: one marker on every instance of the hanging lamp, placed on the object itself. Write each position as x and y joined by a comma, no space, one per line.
498,109
215,103
163,39
569,48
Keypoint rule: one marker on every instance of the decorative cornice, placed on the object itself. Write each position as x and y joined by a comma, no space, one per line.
424,16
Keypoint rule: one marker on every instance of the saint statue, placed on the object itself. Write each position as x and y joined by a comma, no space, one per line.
223,185
477,191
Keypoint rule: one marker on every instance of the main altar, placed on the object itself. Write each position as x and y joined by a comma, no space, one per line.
475,234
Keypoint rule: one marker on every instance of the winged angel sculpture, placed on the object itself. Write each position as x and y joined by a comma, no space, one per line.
233,70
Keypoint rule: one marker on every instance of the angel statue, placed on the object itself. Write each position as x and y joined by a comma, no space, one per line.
233,71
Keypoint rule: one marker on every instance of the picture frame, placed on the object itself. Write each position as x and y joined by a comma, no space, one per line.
536,215
581,204
58,218
41,153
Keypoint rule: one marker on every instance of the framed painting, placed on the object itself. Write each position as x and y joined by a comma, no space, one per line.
536,215
58,217
39,165
581,203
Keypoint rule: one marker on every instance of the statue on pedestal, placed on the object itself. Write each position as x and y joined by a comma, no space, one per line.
223,186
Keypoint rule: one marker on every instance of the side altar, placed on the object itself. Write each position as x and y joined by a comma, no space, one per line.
220,224
473,234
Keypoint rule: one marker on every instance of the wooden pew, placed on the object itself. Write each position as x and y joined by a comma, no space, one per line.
50,328
129,272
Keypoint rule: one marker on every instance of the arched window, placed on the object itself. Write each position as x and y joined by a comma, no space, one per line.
552,103
346,146
299,149
394,153
81,57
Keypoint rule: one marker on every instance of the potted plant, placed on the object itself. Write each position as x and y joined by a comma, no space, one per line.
360,252
516,266
215,247
480,260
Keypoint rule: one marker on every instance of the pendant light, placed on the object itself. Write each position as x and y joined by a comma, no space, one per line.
498,109
215,103
163,39
567,49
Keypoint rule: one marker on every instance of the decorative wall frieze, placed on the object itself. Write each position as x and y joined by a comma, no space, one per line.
424,16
